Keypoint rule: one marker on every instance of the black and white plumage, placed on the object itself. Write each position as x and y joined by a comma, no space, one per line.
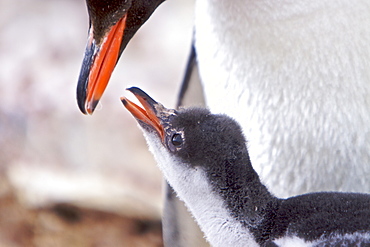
294,74
204,157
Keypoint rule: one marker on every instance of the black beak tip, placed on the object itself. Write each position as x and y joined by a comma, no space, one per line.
81,88
124,101
138,92
83,78
93,106
81,98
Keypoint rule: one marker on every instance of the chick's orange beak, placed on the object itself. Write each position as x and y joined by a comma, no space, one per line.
147,114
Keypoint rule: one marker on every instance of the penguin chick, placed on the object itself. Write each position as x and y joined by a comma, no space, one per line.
204,157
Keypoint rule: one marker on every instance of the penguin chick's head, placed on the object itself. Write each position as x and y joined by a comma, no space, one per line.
194,135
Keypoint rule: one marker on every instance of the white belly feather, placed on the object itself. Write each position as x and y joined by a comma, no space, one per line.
296,75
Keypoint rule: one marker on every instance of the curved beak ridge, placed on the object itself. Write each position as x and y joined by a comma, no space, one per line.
149,114
97,66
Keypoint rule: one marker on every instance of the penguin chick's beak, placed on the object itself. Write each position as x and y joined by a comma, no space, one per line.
151,112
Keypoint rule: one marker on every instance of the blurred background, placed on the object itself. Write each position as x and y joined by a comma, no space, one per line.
67,179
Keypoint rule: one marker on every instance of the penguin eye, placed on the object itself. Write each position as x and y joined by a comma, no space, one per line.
176,140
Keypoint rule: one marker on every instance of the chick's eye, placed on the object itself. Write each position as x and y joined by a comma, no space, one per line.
176,140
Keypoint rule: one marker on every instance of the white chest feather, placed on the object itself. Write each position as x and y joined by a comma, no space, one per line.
208,208
296,75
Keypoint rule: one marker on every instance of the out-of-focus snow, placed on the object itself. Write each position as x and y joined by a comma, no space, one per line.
51,152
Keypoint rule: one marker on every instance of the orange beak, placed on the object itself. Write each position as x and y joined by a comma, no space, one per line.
146,115
97,67
112,25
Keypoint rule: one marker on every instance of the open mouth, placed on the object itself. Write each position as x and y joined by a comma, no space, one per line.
147,114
